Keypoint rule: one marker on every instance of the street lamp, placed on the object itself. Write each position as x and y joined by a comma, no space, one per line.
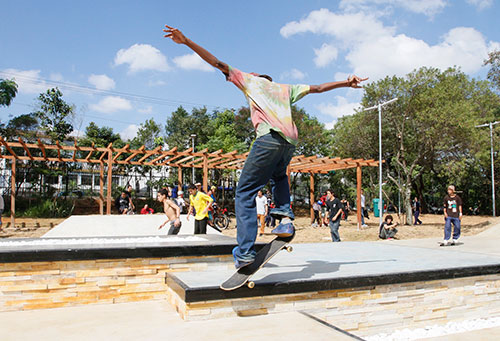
491,124
379,106
193,136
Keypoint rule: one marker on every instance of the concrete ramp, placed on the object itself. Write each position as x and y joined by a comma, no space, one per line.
119,226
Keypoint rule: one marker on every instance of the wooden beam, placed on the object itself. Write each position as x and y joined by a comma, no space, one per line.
205,172
25,148
101,188
358,195
7,146
42,147
311,195
121,151
13,194
110,176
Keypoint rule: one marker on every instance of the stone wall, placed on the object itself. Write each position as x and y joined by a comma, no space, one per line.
369,310
39,285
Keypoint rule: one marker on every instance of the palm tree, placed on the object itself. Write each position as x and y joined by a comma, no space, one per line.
8,90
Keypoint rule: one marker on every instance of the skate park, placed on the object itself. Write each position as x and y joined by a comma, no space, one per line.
383,104
348,289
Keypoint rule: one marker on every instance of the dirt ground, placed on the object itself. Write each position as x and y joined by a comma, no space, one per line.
432,227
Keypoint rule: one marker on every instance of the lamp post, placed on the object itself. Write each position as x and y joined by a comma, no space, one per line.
193,136
491,124
379,106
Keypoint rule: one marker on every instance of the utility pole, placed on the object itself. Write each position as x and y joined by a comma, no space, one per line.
491,124
379,107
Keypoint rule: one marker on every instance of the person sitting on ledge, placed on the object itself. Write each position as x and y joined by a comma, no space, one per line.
387,229
122,203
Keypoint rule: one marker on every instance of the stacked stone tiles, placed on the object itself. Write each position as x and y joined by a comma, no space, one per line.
39,285
369,310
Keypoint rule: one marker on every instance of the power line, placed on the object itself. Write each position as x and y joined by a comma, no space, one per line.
92,91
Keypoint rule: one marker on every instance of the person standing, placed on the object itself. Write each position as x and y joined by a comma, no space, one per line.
270,110
345,208
416,212
452,215
261,205
334,208
363,209
172,211
316,209
180,201
200,202
129,191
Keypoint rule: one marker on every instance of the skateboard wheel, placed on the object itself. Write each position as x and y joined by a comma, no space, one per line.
289,248
251,285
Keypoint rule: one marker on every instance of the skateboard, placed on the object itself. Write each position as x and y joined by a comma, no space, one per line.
243,275
452,244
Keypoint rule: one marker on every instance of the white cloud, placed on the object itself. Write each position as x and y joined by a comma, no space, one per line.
77,133
27,80
325,55
156,83
375,51
293,74
481,4
110,104
342,108
426,7
192,62
56,76
101,82
140,57
130,132
146,110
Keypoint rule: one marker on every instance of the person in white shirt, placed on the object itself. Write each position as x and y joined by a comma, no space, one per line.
261,203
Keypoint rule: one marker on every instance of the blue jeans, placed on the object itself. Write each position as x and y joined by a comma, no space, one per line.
334,230
363,215
447,228
267,161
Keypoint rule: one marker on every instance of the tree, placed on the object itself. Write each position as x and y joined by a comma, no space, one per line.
100,137
148,135
53,114
25,126
430,129
8,90
224,134
494,72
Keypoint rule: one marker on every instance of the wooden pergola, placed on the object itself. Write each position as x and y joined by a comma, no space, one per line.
108,156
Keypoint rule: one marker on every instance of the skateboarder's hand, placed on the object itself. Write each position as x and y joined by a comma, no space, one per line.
353,81
175,35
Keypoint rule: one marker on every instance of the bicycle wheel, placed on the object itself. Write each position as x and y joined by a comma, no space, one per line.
219,222
226,221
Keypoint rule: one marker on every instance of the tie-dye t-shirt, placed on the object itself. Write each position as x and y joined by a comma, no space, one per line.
270,103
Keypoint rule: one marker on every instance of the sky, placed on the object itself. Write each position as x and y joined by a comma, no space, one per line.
111,61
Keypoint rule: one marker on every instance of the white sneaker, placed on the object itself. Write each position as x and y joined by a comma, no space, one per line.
445,242
364,225
454,241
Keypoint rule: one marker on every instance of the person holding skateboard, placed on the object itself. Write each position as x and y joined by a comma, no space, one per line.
452,215
270,110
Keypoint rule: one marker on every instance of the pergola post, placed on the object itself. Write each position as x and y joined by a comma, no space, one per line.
101,188
179,178
13,194
110,175
205,172
311,194
358,195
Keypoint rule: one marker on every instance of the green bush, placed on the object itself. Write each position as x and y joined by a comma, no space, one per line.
50,208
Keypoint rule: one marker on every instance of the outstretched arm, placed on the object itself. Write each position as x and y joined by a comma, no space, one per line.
178,37
351,82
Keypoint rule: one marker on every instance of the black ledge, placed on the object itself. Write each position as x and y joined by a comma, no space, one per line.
215,245
211,293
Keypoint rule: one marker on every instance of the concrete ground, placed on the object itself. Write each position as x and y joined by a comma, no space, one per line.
119,226
155,320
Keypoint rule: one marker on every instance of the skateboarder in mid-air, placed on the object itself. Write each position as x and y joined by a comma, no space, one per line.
270,110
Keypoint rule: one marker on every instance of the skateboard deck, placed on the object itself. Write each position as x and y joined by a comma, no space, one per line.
243,275
453,244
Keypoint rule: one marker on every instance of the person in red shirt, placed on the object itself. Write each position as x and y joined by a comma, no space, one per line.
147,210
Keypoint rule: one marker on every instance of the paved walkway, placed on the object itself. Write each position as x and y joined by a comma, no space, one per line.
155,320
